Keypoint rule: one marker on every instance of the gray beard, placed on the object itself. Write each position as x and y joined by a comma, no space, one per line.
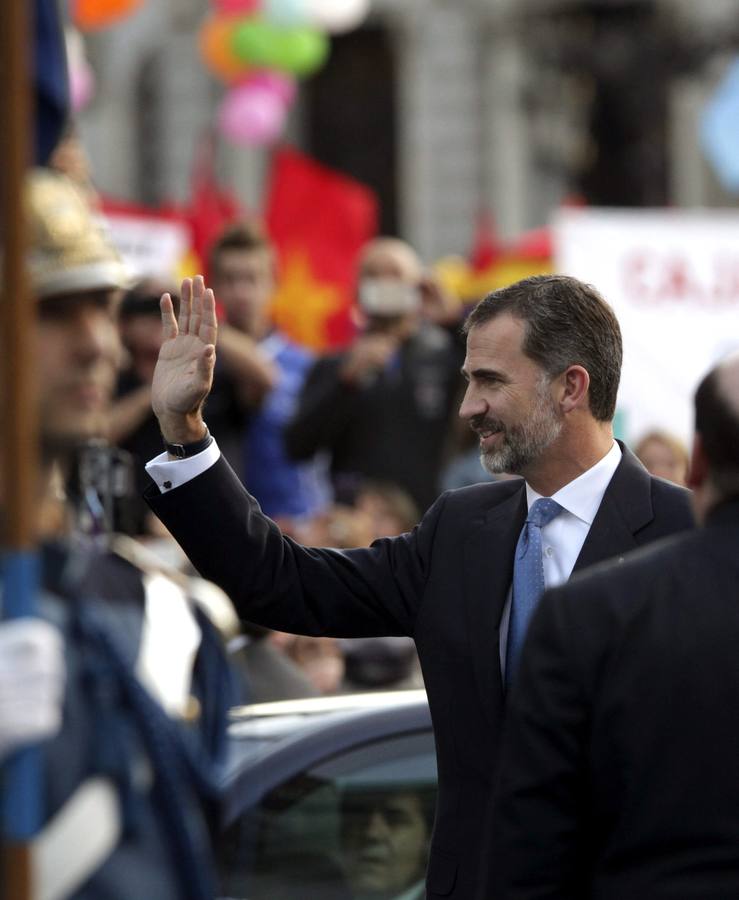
524,444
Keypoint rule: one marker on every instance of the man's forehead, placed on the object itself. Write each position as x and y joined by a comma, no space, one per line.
243,258
389,259
503,332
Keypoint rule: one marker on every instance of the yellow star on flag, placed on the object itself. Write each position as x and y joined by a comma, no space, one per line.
302,304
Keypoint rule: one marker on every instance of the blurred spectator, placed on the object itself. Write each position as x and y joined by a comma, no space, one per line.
267,671
133,425
385,842
388,507
383,663
271,371
382,408
71,159
664,455
319,659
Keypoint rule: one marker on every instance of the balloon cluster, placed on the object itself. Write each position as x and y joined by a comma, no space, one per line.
258,48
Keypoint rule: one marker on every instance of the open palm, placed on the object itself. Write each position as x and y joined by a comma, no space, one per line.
184,371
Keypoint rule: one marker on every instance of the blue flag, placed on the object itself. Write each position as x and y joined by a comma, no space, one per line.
50,79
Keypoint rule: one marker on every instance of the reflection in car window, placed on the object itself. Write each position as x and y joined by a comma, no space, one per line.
355,827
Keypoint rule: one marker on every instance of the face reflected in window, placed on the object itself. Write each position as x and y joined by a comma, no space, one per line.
385,841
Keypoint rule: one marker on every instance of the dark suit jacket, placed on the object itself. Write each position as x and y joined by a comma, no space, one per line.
445,584
619,771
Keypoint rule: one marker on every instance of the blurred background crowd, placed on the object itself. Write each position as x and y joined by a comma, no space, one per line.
285,148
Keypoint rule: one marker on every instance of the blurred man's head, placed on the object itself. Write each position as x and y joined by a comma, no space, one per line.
714,465
140,322
385,841
389,292
664,455
76,280
242,274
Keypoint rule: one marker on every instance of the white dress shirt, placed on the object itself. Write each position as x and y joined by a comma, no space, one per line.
563,537
168,474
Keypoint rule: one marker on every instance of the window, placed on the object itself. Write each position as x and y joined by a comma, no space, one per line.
357,823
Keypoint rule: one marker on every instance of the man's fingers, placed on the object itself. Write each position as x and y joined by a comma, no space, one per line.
169,323
198,289
209,322
185,305
206,361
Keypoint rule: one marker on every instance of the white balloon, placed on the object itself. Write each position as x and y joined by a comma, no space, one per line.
336,16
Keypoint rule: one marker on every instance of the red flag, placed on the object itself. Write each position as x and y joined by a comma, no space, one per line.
319,220
211,207
533,244
486,249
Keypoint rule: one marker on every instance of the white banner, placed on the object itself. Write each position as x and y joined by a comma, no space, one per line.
151,246
672,278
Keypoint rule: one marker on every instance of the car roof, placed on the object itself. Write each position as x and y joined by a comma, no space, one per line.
269,742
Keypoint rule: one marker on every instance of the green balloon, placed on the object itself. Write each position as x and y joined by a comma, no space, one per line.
304,51
300,51
255,42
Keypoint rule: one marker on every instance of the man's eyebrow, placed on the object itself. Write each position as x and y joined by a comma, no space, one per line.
484,374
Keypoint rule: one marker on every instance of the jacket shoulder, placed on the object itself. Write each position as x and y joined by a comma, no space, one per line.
672,503
479,498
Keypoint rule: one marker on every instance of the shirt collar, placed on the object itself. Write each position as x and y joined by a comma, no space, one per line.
583,496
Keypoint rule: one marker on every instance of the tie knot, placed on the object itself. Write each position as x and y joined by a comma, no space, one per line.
543,511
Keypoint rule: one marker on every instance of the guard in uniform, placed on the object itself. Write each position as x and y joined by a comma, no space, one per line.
131,773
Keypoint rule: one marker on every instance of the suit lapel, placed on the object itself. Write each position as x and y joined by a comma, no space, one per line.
625,509
488,573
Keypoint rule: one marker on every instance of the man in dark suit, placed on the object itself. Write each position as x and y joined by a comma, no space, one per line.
619,771
543,362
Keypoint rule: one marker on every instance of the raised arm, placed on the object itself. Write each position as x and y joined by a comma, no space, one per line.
184,372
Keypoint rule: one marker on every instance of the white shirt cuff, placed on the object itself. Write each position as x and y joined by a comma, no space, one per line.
169,474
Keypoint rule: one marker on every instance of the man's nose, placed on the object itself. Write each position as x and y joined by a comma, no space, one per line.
471,405
93,335
377,827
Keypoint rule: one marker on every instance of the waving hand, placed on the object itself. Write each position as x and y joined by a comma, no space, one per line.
184,370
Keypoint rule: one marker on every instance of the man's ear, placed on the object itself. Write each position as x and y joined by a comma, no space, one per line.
698,468
575,383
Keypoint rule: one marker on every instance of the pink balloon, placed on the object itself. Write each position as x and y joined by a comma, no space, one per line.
81,84
251,115
277,83
237,7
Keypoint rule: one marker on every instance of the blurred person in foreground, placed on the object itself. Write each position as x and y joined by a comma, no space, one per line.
619,770
140,720
382,408
543,364
242,268
664,455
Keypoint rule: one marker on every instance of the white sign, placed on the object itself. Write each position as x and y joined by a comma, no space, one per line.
672,278
151,247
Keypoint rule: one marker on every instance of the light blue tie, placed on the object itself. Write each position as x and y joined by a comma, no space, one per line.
528,579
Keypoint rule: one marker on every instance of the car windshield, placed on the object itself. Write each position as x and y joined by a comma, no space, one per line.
354,826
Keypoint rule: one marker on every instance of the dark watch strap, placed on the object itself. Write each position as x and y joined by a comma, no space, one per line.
183,451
